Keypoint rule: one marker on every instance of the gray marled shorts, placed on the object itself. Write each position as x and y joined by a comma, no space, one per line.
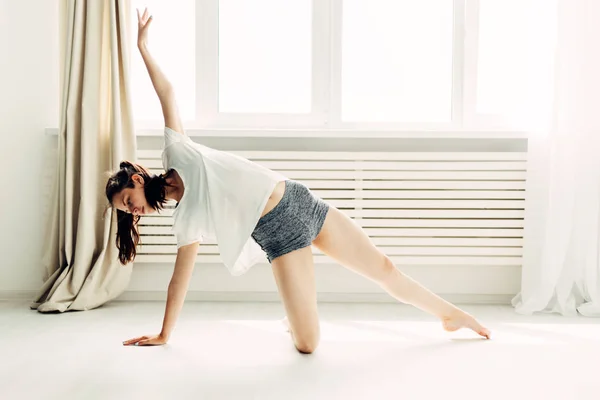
293,223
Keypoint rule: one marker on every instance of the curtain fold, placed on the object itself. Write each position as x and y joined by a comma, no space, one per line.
561,266
96,132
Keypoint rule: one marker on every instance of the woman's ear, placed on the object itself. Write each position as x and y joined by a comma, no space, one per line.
138,178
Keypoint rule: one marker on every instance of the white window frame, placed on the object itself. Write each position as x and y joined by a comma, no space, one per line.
325,116
471,119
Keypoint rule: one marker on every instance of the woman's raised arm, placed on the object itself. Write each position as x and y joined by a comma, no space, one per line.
162,86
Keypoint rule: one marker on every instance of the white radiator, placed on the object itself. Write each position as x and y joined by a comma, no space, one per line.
421,209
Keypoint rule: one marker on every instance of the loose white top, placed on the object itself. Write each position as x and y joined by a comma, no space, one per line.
224,196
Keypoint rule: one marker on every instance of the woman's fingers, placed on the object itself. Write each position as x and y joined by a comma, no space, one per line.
132,341
144,19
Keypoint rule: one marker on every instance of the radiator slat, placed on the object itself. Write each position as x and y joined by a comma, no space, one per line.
399,260
377,156
395,165
388,241
398,232
406,223
381,176
389,250
419,194
390,213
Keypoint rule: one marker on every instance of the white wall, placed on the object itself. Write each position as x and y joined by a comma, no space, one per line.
28,104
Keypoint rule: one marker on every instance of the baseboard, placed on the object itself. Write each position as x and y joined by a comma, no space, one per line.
17,295
321,297
140,295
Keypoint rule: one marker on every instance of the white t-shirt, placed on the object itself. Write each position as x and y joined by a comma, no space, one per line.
224,196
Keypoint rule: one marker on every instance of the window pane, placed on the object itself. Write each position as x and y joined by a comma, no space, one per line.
516,58
265,56
397,60
171,40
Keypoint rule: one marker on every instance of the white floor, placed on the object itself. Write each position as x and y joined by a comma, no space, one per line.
241,351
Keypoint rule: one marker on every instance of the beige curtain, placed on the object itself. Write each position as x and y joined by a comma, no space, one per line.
82,271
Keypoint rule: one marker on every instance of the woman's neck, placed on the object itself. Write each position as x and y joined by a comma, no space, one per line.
175,190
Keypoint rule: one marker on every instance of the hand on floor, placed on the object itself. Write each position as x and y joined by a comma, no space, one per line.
153,340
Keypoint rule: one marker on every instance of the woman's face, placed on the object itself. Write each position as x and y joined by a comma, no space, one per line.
133,200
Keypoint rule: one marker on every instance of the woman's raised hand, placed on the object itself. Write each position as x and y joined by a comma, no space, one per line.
143,23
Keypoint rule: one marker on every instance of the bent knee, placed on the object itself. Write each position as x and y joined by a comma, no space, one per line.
307,344
307,347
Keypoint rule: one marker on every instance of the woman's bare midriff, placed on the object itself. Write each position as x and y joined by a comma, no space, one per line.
275,197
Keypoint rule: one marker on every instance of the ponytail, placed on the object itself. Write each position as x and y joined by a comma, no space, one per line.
128,236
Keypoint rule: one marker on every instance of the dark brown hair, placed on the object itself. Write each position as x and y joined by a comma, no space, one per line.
155,191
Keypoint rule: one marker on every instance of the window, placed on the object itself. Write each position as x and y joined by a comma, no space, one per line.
265,56
397,60
350,64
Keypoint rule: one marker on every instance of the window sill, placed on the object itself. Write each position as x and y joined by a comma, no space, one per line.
338,133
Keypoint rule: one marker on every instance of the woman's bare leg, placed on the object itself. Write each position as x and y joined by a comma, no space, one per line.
344,241
295,277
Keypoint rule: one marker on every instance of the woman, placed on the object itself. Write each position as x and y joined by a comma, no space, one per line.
250,211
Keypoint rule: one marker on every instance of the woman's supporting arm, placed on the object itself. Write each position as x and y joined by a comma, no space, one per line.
178,287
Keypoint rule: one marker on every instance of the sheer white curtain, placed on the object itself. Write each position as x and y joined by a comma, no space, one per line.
561,269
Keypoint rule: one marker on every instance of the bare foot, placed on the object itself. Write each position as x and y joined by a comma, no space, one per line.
463,320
